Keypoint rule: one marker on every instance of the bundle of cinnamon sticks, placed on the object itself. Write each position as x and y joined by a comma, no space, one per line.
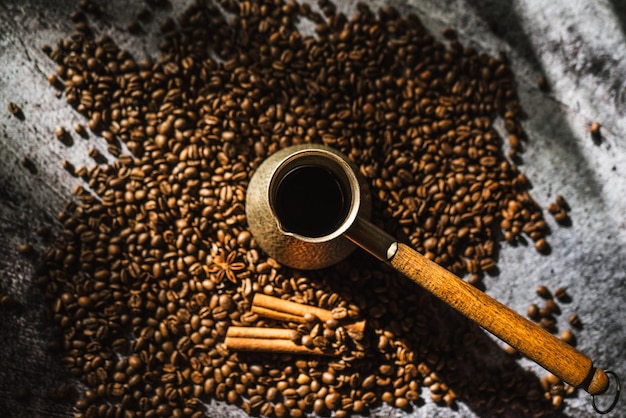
281,340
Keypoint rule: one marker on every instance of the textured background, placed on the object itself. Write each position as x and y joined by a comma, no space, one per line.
580,47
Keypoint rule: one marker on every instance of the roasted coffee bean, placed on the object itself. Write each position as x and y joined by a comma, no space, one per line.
25,249
561,295
568,337
543,292
63,136
533,312
14,109
594,129
8,301
550,307
80,129
541,245
574,321
548,323
562,203
511,351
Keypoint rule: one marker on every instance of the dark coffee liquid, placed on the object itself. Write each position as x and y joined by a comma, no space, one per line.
309,201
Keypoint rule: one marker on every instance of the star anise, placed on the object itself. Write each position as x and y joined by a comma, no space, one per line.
225,266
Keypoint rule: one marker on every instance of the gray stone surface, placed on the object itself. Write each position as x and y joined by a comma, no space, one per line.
580,47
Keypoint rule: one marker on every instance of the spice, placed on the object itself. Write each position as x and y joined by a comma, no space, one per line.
284,310
268,340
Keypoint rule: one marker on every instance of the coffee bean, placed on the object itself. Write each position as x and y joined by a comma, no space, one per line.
562,217
14,109
25,249
574,321
543,292
561,295
80,129
8,301
63,136
568,337
533,312
594,129
548,323
550,307
562,203
541,245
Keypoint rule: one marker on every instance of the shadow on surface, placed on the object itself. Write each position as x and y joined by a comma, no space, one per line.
33,381
619,10
548,117
504,23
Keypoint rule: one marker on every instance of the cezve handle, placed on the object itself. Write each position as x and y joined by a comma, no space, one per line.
528,338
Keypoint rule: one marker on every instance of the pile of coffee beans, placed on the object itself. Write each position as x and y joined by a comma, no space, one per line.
155,260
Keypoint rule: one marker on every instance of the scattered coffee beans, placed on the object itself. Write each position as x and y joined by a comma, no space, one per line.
560,210
155,261
554,389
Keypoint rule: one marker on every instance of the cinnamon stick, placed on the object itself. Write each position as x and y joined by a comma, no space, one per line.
277,315
282,305
273,340
279,340
271,346
258,332
284,310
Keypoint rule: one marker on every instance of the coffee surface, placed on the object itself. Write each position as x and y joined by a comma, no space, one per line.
309,201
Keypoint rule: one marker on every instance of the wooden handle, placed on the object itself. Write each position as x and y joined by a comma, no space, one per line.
528,338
